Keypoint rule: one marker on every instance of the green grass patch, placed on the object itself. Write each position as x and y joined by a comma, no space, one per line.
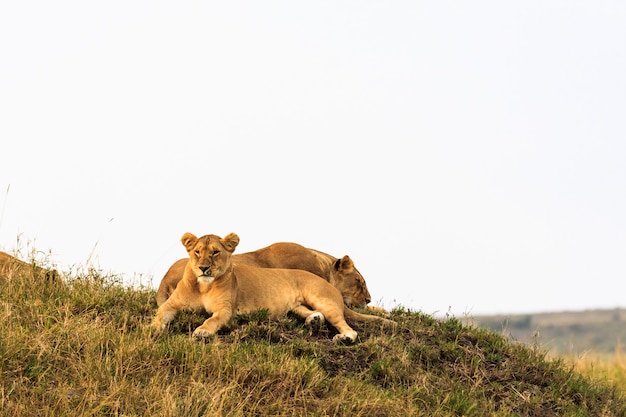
80,346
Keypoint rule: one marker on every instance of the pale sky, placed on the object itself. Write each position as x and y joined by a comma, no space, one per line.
469,156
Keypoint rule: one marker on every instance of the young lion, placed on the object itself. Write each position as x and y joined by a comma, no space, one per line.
213,283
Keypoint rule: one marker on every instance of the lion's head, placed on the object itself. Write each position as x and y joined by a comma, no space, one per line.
209,256
350,282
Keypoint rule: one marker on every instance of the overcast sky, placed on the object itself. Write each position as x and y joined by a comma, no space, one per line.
469,156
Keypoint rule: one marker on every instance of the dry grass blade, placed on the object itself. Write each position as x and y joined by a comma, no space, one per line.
80,346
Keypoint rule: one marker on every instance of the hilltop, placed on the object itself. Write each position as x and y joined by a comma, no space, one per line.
79,346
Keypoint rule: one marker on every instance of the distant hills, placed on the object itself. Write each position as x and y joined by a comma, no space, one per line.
562,333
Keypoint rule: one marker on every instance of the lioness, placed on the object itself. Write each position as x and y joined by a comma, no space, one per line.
211,281
10,265
341,273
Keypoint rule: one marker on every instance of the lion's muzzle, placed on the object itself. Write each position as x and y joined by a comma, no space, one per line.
206,276
205,279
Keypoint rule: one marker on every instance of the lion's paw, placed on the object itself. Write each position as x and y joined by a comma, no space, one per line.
344,339
315,319
376,309
202,333
154,331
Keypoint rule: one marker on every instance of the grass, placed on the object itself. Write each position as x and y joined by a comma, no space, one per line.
602,366
80,347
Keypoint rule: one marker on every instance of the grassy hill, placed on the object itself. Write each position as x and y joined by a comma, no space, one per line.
80,347
564,333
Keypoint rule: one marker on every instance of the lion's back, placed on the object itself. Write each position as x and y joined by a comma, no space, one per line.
277,289
266,281
286,255
10,265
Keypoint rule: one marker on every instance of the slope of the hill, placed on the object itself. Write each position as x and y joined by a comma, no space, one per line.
80,347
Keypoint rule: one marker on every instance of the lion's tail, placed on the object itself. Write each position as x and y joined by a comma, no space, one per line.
353,315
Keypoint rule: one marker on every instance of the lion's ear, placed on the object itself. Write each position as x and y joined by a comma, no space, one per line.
189,240
344,264
230,242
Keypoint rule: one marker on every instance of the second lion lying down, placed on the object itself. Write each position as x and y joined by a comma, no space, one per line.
213,283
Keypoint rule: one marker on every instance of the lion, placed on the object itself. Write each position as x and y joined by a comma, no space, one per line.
211,281
341,273
10,265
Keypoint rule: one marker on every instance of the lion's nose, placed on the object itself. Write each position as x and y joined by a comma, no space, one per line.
367,300
204,269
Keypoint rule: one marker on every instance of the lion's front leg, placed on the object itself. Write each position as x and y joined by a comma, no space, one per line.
313,319
167,311
213,324
164,315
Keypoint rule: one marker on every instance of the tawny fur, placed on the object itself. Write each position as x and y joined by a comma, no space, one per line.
340,272
10,265
212,282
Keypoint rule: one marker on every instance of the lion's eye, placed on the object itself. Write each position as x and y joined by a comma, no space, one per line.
196,252
216,252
